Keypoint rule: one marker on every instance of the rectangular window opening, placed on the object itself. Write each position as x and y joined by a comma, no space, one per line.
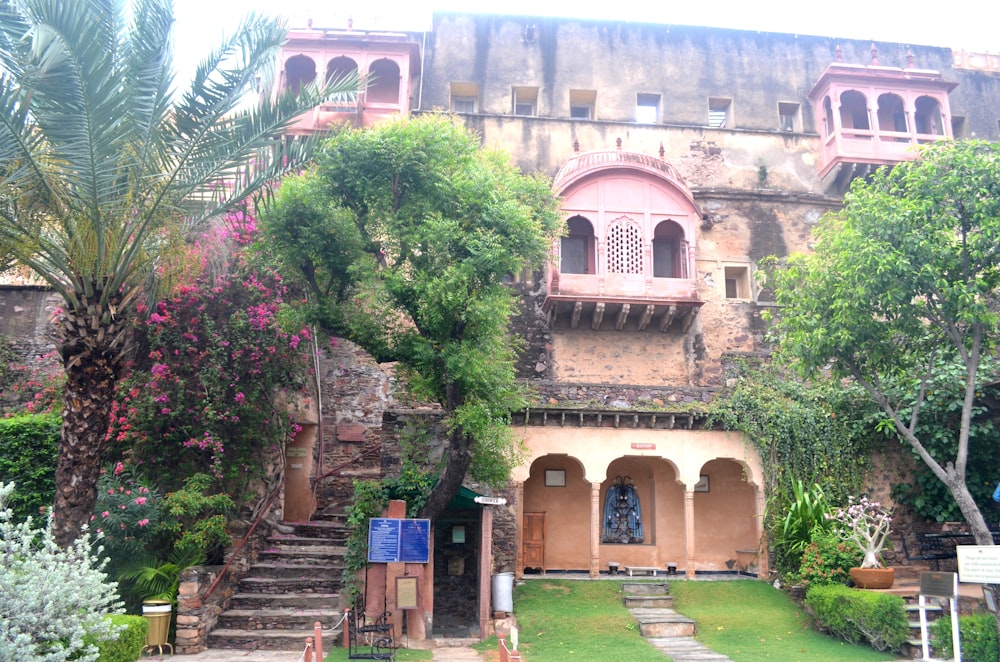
719,111
464,98
647,108
525,101
788,116
737,282
581,104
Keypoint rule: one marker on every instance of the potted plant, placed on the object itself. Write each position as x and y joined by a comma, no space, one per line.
865,523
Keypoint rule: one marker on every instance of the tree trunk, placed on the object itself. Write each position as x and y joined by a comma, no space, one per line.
459,458
92,349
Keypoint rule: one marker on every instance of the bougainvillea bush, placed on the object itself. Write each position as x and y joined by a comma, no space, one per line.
205,396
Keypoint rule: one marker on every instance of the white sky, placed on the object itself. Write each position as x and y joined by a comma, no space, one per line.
972,25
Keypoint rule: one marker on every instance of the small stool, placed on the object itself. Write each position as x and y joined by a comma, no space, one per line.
613,568
671,568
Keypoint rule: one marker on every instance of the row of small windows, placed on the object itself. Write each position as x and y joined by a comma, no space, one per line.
583,103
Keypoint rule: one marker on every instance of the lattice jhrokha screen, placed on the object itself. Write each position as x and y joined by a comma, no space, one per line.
624,248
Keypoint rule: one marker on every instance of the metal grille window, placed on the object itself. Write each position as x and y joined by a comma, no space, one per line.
624,248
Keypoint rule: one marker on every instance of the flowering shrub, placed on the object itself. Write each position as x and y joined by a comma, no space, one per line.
53,600
126,512
204,399
827,560
866,524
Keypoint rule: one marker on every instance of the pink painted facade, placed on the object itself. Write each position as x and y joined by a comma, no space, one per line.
877,115
388,64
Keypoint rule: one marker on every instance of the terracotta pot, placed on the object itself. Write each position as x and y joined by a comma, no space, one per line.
873,577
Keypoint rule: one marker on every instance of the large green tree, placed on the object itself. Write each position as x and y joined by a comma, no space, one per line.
406,236
901,296
102,163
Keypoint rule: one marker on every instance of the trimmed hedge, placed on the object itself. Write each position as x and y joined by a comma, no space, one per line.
130,643
29,445
857,616
978,634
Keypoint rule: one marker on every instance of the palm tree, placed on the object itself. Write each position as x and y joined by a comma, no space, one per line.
102,165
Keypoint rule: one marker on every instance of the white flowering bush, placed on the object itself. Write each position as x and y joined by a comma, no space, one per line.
865,523
50,597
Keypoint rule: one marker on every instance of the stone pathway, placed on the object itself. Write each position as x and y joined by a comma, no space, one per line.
456,654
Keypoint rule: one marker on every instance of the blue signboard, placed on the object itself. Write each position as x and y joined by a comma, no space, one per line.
393,540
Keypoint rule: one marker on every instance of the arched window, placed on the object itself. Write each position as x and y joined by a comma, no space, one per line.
576,251
299,71
928,116
624,247
891,115
829,127
622,522
669,260
384,86
340,67
854,111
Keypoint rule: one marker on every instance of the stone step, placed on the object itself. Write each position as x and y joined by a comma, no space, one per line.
645,588
663,623
290,570
272,640
318,529
276,619
302,585
302,551
324,601
686,649
290,539
655,601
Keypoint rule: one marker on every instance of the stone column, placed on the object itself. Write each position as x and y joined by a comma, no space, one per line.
595,530
519,520
689,531
763,570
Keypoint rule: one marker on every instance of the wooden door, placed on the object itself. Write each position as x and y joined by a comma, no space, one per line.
533,541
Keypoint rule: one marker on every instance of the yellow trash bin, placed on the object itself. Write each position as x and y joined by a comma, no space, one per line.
157,614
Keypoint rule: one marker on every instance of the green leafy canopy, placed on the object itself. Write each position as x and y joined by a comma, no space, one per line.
902,286
405,236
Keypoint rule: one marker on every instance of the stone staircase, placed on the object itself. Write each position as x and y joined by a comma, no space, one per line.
294,583
652,606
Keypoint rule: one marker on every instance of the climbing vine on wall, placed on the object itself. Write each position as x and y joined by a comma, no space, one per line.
819,431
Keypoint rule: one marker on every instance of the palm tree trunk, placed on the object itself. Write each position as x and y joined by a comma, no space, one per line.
92,353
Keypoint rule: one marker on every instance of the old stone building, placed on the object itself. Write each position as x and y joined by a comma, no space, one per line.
682,156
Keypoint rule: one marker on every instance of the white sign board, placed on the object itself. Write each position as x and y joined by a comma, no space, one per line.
979,564
490,501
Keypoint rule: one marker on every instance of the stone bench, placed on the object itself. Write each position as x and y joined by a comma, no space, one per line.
649,569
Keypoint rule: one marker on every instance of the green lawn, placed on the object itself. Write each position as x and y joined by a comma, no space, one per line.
563,620
750,621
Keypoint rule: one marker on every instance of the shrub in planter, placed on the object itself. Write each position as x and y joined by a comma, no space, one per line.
827,560
978,634
130,642
877,619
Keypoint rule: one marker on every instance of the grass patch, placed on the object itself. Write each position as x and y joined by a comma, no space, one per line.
339,654
750,621
561,620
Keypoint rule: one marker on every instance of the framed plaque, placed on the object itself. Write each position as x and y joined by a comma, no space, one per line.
406,592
